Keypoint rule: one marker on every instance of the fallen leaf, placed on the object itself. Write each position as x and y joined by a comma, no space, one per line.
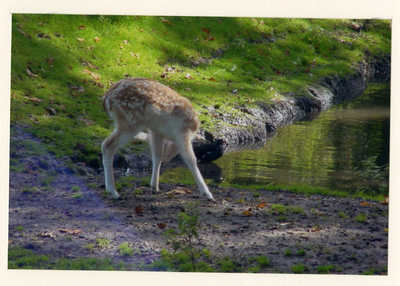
261,52
51,111
135,55
161,225
262,205
81,27
70,231
386,201
188,76
139,210
50,60
42,24
167,22
210,38
179,191
35,120
206,30
30,73
95,76
22,32
88,122
96,39
34,99
247,213
92,66
80,39
79,89
212,79
366,204
141,30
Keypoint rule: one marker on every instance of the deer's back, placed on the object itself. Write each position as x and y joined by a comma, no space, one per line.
150,102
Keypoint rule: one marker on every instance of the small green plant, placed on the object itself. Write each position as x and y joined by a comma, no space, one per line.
75,189
373,179
254,269
102,242
19,228
325,269
77,195
206,252
375,271
186,255
281,218
301,252
342,215
263,261
90,246
279,209
125,249
138,192
228,265
362,218
298,268
47,181
32,190
288,252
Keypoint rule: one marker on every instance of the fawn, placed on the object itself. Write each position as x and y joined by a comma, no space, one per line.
134,103
170,149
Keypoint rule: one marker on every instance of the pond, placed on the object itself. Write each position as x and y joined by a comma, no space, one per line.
322,151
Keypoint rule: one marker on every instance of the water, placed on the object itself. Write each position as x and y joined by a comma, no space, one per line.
322,151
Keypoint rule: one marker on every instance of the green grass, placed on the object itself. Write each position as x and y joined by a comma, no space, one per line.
60,102
125,250
299,268
326,269
20,258
361,218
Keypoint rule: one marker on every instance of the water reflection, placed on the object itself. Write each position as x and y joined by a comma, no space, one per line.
322,151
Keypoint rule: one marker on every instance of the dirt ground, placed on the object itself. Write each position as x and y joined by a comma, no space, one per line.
69,214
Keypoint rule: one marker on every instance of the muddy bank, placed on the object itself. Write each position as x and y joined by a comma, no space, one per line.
66,216
258,123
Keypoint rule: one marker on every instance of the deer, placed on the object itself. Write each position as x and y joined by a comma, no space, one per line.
170,149
137,103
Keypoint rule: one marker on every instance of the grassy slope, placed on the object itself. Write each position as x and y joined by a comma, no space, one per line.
74,59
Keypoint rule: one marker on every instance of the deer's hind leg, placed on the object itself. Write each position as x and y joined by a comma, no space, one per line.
185,148
117,139
157,151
